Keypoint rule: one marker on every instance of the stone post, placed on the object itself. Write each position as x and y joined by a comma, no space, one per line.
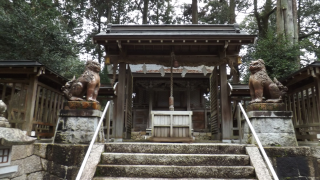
78,121
272,124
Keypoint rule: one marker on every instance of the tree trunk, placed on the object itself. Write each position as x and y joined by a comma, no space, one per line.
232,9
287,20
108,12
194,11
145,12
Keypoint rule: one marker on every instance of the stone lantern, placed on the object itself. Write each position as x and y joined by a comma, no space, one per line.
8,138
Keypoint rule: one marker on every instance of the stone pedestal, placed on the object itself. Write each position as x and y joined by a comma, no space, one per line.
78,121
272,124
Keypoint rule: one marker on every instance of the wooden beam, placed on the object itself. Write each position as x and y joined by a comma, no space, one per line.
120,102
225,104
17,71
30,104
184,60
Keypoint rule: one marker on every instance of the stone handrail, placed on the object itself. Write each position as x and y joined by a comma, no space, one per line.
92,142
263,152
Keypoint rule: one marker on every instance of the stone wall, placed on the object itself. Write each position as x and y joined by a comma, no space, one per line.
139,136
295,162
30,162
47,161
202,136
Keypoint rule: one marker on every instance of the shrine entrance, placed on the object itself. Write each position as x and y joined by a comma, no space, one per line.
173,48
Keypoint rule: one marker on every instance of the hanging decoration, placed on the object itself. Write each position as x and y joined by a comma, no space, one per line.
161,70
144,69
184,72
204,70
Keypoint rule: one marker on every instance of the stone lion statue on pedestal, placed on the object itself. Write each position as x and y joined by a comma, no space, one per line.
261,85
87,84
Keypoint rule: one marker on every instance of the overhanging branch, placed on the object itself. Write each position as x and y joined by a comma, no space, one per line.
302,36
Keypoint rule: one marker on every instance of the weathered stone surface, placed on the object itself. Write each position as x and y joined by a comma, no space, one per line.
23,177
51,177
4,122
132,178
175,159
294,167
269,114
287,151
176,148
61,171
28,165
273,128
12,136
266,107
65,154
36,176
21,151
20,164
56,169
272,139
93,160
294,162
32,164
315,151
77,130
40,150
270,125
81,105
258,163
44,164
81,113
176,171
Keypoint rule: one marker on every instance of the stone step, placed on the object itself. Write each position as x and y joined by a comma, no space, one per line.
126,178
175,159
155,171
176,148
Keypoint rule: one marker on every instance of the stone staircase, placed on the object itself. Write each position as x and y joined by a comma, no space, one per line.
174,160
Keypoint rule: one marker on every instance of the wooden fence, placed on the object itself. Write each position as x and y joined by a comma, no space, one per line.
48,102
304,104
47,106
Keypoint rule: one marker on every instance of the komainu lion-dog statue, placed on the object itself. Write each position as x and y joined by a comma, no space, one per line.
261,85
87,84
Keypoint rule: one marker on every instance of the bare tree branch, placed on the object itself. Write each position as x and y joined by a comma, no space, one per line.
302,36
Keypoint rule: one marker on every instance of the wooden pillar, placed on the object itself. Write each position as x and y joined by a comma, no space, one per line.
150,106
317,85
120,102
225,105
31,98
188,97
236,75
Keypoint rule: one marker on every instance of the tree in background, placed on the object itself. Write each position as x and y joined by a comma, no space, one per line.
36,30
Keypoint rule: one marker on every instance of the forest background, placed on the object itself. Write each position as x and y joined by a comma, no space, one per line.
58,33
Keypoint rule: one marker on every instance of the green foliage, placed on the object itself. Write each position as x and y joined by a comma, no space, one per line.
104,79
215,12
279,55
33,31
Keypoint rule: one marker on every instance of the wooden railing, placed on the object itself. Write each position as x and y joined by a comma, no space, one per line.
47,106
48,102
304,103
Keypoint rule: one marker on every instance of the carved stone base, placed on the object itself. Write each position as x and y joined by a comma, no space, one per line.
273,128
266,107
78,121
89,105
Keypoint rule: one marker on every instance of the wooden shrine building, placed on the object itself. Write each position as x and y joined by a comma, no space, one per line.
170,46
32,93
